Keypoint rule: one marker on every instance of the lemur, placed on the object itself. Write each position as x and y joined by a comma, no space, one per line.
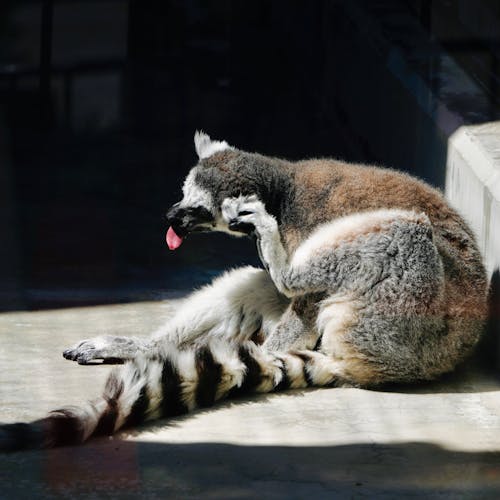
368,277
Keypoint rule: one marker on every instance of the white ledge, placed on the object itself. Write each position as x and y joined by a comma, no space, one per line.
473,184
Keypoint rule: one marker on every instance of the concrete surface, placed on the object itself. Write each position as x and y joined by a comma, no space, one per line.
439,440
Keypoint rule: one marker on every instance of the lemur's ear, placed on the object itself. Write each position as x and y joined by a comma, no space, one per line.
205,147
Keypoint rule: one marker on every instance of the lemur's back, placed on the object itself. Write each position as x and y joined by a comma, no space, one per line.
348,188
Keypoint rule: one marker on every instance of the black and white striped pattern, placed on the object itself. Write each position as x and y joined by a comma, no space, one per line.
176,382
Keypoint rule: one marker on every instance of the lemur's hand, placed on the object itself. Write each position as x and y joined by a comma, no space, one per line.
246,214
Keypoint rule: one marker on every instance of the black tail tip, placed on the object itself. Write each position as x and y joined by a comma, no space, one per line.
17,437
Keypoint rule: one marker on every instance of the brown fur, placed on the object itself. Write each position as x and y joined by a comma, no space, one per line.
357,188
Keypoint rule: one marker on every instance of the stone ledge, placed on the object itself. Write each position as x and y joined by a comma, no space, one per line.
473,184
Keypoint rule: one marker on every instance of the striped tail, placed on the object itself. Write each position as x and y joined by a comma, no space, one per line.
174,383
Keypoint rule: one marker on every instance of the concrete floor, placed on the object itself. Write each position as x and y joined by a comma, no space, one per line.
439,440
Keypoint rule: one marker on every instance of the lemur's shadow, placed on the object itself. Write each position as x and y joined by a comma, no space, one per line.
135,469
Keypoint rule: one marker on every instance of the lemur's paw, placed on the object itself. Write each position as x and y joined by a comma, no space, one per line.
111,350
244,214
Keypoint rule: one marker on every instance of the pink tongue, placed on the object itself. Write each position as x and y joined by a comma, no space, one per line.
173,240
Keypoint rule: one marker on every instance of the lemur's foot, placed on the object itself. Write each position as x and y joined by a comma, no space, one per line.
109,349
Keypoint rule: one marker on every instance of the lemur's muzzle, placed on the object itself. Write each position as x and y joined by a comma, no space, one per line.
177,218
184,220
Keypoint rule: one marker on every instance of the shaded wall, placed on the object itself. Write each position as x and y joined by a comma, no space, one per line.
99,122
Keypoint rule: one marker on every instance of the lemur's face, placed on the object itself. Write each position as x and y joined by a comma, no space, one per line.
205,189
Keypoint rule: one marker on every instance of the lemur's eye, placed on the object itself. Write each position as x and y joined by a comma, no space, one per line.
244,212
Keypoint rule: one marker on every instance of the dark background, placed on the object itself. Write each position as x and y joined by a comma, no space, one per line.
99,101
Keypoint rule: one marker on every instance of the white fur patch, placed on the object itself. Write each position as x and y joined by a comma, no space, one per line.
194,195
186,367
347,228
133,376
322,369
155,390
205,147
295,371
233,370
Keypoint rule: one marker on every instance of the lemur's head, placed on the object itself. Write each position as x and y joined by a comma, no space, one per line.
222,172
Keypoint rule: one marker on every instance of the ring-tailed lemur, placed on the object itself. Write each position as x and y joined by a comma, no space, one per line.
369,277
